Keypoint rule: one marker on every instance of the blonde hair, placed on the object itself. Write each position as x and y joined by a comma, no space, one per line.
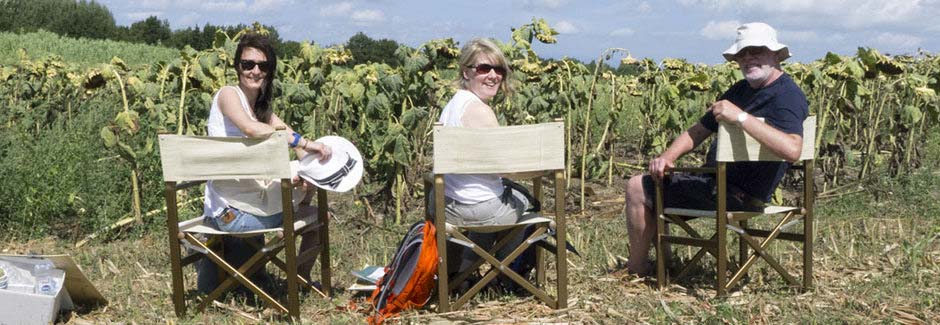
478,47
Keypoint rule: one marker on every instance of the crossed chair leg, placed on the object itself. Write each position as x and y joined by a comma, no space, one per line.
500,267
747,241
265,254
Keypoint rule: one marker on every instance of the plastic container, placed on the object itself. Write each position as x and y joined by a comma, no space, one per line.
3,277
45,283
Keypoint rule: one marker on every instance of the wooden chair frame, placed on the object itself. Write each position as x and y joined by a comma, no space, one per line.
735,145
488,149
184,169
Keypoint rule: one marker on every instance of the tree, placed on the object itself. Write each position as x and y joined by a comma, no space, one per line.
365,49
151,31
85,19
191,36
64,17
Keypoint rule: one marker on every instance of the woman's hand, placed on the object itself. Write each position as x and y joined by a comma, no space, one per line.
318,148
298,182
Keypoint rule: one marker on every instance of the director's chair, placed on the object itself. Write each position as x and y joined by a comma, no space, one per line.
188,161
526,152
734,145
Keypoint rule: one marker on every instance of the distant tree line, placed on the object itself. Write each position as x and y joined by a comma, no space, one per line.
89,19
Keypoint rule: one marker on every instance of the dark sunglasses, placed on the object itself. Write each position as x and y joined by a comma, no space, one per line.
486,68
247,65
751,50
333,180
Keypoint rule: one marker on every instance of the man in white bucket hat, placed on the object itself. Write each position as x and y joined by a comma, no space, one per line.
766,92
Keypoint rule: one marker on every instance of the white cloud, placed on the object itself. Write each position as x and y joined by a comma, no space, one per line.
797,36
224,6
268,5
566,27
644,7
141,15
550,4
338,9
626,31
720,30
189,19
898,41
848,14
837,38
368,16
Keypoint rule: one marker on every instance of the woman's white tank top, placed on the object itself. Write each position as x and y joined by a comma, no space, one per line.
467,189
218,125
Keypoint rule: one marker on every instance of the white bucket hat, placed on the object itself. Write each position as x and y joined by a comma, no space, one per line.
757,34
339,174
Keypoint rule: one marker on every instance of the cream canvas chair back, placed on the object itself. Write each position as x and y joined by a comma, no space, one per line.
196,158
524,151
250,168
736,145
508,149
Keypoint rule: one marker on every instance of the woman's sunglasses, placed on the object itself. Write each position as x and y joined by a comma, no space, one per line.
247,65
486,68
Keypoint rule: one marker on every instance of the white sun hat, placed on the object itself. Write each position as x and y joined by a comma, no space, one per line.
757,34
339,174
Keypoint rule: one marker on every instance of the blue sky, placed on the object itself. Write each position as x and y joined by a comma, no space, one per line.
697,30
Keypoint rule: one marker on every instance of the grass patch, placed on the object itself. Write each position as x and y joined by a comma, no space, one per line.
875,260
82,51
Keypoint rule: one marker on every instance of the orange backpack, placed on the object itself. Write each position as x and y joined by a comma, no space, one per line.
410,278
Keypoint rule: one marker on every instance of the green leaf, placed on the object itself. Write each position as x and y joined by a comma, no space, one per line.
188,53
220,38
127,152
378,105
147,149
109,139
128,122
118,62
412,117
832,59
401,153
910,115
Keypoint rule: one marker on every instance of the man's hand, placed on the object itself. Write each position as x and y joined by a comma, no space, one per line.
725,111
658,167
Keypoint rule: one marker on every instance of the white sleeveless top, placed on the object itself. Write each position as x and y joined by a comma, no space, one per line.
471,188
218,125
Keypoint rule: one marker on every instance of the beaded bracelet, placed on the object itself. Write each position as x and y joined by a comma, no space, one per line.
293,144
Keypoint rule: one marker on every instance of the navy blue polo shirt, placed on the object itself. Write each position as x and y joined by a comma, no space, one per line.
783,105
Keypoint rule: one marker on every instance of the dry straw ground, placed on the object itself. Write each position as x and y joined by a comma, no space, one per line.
876,261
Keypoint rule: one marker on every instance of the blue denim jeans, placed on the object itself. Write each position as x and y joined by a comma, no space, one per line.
237,251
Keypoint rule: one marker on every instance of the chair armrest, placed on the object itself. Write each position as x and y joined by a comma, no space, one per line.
708,170
526,175
185,185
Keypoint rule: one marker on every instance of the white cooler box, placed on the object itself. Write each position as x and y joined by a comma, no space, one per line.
18,303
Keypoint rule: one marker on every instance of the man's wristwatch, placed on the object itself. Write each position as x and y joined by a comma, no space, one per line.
742,117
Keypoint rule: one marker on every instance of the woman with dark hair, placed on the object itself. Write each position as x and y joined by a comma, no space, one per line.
245,110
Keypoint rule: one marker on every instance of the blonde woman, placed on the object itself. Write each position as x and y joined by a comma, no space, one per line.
479,199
